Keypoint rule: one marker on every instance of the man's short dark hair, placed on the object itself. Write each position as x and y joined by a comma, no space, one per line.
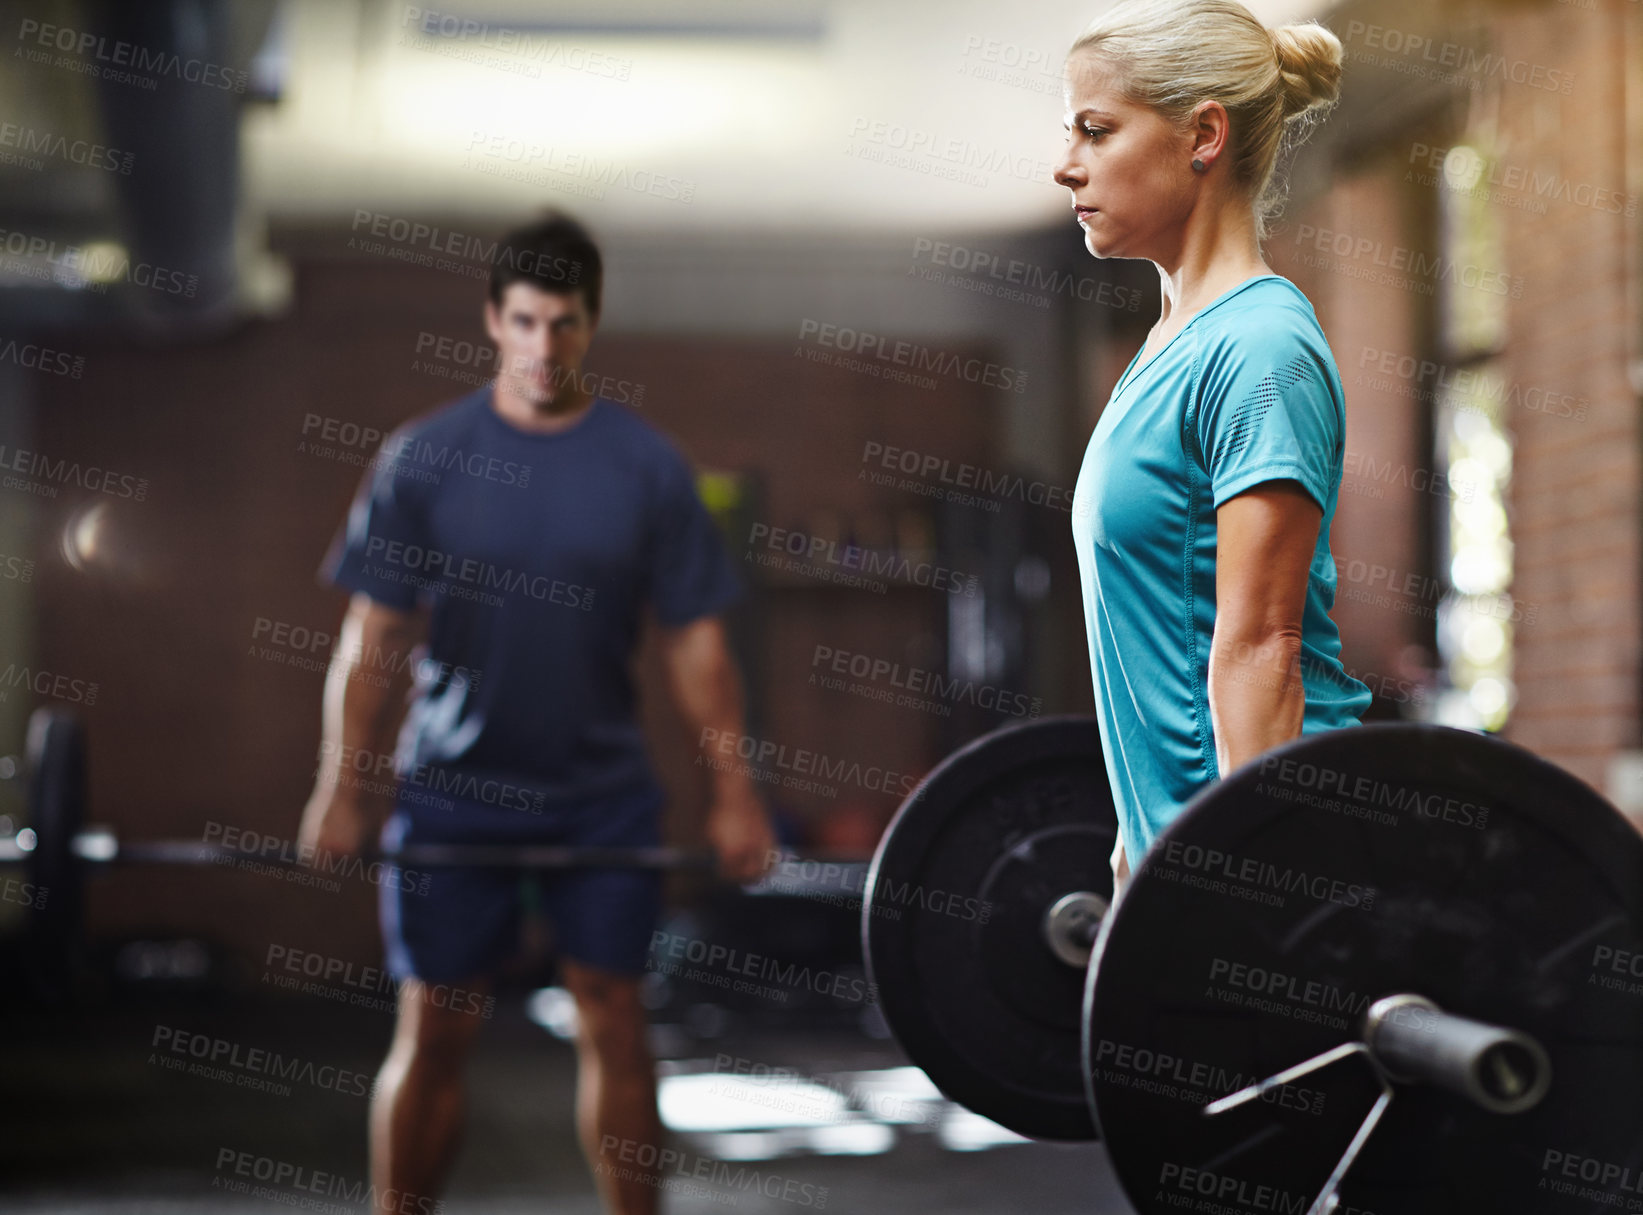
553,254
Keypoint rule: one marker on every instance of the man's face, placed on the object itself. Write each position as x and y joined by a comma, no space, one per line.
541,338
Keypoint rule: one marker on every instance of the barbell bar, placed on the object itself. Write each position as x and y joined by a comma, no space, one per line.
57,850
1388,911
55,767
100,846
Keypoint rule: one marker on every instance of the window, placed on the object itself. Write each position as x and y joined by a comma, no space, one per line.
1473,444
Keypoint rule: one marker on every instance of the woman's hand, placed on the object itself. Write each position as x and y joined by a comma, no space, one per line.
1120,870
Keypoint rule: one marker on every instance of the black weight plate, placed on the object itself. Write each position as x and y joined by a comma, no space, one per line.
952,925
1344,867
56,754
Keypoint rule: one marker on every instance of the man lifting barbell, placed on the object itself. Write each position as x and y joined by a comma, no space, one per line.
535,557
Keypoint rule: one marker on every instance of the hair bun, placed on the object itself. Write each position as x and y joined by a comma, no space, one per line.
1309,66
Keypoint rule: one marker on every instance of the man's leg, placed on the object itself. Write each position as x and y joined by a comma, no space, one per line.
416,1114
440,922
616,1115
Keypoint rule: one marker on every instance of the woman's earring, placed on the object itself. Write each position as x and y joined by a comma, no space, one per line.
1197,166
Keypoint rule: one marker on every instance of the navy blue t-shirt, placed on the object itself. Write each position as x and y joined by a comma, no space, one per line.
537,555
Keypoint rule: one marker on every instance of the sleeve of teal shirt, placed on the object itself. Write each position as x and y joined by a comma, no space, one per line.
1266,412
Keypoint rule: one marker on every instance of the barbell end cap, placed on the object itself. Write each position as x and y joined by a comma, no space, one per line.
1381,1013
1499,1069
1071,925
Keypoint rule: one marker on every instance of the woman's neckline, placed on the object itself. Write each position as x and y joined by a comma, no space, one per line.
1133,371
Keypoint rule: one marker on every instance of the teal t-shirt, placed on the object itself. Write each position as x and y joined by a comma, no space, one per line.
1246,392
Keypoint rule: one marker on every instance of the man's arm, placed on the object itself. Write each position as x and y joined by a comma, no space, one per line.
703,679
1264,544
360,715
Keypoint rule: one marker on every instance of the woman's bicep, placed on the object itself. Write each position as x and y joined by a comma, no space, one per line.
1265,539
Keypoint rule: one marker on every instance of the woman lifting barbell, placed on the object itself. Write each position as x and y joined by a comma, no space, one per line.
1202,510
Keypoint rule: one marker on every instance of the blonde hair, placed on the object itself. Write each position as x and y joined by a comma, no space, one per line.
1276,84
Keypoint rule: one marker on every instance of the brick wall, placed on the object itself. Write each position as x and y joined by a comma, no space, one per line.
1572,335
1386,496
1575,493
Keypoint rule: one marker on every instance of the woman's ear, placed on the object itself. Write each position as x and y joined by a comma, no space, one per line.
1211,128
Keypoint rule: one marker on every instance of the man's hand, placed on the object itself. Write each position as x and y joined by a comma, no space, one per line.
332,823
702,677
740,832
358,717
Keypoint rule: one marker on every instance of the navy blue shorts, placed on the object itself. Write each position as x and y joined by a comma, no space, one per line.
456,924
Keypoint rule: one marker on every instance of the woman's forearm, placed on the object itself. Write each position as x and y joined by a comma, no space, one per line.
1256,698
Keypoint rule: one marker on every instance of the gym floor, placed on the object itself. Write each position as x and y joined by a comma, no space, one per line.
148,1138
